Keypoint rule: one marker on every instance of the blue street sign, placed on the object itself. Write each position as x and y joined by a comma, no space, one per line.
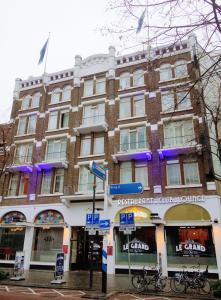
97,170
104,224
123,219
126,219
130,218
126,188
92,219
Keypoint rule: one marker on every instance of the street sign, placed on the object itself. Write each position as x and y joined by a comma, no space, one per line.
92,231
126,219
123,228
104,224
92,219
97,170
126,188
103,231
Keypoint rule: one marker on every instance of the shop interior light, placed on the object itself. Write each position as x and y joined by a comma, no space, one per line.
46,227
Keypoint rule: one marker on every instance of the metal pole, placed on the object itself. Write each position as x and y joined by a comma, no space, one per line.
104,250
129,264
91,241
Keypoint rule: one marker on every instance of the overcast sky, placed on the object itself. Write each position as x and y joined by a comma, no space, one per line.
24,28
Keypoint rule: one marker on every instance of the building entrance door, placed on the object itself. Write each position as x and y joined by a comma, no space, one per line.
85,249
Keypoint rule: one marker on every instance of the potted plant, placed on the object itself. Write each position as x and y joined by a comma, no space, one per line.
216,288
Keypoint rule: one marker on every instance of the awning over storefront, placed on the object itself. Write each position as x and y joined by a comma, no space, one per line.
187,212
141,214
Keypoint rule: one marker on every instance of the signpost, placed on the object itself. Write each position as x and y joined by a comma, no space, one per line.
126,188
97,170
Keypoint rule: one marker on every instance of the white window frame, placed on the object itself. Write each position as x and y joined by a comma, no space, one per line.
27,149
144,166
35,98
124,81
29,131
138,77
101,81
186,102
165,72
180,68
185,163
125,101
138,98
89,183
63,112
24,120
126,170
102,145
83,152
55,154
129,131
46,183
66,94
55,96
88,87
26,100
165,99
53,120
171,163
58,173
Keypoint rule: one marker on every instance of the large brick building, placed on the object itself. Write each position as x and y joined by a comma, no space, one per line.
140,117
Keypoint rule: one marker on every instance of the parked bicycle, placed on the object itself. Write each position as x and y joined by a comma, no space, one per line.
145,281
196,280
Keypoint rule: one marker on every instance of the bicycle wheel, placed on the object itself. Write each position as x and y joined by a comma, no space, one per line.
165,284
204,286
139,283
177,284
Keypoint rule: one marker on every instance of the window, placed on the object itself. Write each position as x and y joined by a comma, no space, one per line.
94,114
100,87
138,77
124,80
94,87
66,93
58,181
86,181
86,145
52,181
88,88
191,173
58,119
165,72
180,68
55,96
173,173
167,101
27,125
179,133
23,153
133,139
126,172
19,184
56,150
141,172
132,106
35,100
183,100
25,102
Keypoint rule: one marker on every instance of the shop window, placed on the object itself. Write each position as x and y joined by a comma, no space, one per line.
11,240
23,153
187,244
56,150
86,181
180,68
138,77
58,119
94,114
179,134
27,125
46,244
52,181
18,185
124,80
190,212
165,72
142,247
132,106
133,139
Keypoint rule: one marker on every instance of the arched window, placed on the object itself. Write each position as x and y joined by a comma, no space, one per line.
124,80
66,93
13,217
26,102
55,96
180,68
35,100
52,217
165,72
138,77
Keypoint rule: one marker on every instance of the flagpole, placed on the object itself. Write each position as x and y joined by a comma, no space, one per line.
46,56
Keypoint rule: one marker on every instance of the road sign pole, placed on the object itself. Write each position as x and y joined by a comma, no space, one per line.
129,264
91,241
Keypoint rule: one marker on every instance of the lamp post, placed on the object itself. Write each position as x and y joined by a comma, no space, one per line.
91,241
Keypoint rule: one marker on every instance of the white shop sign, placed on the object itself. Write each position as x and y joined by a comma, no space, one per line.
161,200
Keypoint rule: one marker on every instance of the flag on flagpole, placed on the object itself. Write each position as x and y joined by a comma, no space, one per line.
42,52
140,21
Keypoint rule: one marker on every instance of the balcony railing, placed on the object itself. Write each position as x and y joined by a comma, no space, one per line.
179,141
132,147
93,120
55,156
87,188
18,160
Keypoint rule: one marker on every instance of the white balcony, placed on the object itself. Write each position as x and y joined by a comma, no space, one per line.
53,160
92,124
128,151
21,164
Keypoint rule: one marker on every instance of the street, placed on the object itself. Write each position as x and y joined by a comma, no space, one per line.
27,293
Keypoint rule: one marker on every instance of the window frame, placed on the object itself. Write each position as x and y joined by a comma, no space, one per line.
185,163
136,81
164,74
171,163
178,64
124,81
